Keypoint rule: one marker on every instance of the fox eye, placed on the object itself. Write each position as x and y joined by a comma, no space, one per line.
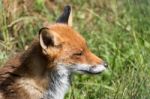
78,53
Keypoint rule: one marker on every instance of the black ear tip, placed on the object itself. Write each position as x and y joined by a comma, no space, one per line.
65,15
67,8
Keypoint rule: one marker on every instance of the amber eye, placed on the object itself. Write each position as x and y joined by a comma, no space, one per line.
78,53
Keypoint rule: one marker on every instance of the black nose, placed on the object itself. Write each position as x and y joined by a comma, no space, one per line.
105,64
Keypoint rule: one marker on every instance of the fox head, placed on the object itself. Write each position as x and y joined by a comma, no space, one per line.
66,48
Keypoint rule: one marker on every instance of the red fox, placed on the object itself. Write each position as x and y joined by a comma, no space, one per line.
43,71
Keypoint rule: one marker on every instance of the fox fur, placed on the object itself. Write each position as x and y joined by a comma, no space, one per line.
43,71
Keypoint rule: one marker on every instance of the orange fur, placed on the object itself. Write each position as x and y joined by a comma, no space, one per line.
43,70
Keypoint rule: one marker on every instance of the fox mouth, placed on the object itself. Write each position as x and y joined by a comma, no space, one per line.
89,72
83,68
95,69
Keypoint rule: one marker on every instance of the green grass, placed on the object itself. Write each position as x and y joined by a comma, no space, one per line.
117,31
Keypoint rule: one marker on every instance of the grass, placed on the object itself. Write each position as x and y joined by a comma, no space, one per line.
118,31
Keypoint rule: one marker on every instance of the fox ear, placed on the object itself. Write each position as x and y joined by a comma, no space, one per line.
46,38
66,16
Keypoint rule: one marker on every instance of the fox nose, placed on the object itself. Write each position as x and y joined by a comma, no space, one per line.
105,64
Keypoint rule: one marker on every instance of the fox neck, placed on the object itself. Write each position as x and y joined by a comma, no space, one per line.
57,78
58,84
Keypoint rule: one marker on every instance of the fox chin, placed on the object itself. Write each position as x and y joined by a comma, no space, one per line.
43,70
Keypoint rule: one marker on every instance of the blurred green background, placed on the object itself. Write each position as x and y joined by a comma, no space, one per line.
116,30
